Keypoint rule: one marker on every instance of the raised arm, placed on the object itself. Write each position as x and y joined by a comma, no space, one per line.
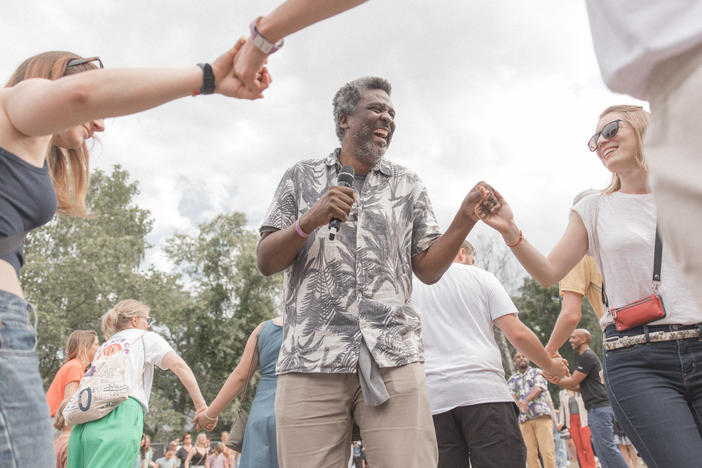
233,385
175,363
563,257
289,17
528,343
38,107
431,264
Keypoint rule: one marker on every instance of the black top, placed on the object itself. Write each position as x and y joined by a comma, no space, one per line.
27,200
591,388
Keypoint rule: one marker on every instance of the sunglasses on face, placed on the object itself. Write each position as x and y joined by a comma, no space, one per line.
608,131
82,61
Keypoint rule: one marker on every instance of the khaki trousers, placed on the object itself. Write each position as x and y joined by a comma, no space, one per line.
538,437
315,415
673,149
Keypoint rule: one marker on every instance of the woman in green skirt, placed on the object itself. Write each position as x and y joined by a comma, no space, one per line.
113,441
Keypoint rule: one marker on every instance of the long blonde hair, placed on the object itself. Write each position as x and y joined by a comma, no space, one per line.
118,317
637,117
78,341
69,168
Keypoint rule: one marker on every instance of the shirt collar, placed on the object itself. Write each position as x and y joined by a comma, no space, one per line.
383,166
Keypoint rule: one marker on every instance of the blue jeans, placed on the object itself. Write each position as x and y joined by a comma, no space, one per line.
601,423
656,393
561,449
26,437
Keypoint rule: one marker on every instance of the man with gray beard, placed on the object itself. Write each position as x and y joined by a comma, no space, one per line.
352,350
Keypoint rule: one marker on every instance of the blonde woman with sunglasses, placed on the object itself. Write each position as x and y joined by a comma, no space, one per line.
113,441
53,103
653,380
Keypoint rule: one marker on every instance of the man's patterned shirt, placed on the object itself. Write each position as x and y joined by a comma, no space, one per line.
360,284
522,384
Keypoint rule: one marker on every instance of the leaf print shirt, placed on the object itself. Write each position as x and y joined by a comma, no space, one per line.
359,285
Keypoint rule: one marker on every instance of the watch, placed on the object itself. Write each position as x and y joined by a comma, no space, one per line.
208,79
261,43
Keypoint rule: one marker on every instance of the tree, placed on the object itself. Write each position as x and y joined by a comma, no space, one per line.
229,298
76,269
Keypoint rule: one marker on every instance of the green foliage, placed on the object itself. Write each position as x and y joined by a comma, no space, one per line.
539,308
76,269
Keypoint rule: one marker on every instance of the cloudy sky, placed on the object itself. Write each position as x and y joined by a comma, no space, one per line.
505,91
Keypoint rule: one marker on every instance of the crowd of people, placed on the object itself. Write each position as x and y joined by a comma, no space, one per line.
385,324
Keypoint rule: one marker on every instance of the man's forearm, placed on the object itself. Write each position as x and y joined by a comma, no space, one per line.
535,392
569,384
431,264
524,340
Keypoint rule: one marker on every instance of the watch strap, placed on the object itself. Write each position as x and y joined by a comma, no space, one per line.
261,43
208,79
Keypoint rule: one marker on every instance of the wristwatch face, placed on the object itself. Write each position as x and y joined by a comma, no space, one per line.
262,44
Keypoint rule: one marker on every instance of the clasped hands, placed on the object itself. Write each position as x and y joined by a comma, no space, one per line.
201,420
560,364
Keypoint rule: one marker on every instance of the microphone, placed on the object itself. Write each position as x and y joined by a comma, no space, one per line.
345,179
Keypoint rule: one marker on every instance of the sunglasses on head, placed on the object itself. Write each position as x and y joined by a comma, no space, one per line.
608,131
82,61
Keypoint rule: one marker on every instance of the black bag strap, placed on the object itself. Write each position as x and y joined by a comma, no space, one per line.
657,261
657,256
10,244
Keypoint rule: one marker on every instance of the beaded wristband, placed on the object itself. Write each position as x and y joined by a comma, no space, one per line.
299,230
519,241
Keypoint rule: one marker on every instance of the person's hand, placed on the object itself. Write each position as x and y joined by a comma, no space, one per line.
201,420
479,200
557,369
335,203
229,85
248,65
496,213
560,427
523,406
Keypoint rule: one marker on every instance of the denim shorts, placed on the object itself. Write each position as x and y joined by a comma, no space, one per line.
25,426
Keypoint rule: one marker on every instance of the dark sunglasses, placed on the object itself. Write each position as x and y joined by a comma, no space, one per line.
608,131
82,61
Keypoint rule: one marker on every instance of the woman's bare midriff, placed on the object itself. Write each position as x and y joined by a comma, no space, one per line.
8,279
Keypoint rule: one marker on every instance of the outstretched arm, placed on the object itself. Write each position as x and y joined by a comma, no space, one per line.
289,17
431,264
233,385
39,107
175,363
528,343
546,270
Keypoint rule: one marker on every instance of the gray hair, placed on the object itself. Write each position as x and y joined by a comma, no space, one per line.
347,97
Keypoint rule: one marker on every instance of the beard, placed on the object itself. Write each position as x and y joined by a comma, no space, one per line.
366,151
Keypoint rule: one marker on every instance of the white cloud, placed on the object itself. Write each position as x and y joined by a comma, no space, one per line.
503,91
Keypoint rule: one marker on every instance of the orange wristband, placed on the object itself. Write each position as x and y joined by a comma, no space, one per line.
519,241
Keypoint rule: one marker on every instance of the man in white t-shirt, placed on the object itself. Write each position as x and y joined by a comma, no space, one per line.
475,417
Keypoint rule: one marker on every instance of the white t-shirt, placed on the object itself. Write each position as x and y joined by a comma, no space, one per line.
142,355
631,37
627,233
463,364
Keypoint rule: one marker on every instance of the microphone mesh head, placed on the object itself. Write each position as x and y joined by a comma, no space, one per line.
346,176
